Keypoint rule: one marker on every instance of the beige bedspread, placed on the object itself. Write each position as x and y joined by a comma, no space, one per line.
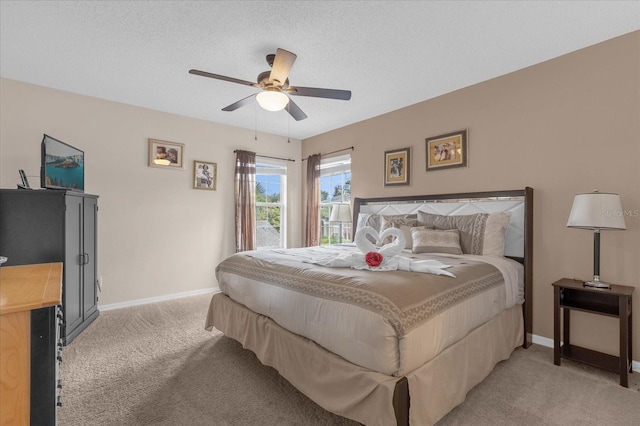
391,322
405,299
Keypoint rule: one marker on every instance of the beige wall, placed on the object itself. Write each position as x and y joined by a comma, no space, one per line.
563,127
157,235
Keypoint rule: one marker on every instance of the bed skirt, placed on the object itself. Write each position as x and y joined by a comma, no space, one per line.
358,393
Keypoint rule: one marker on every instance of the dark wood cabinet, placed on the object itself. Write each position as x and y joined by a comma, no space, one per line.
614,302
45,358
44,226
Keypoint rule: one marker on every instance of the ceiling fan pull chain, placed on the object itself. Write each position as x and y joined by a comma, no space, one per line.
255,124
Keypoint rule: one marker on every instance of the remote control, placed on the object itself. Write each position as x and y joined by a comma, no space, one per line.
25,182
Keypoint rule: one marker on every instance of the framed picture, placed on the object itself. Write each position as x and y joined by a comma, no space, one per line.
396,167
204,175
447,151
166,155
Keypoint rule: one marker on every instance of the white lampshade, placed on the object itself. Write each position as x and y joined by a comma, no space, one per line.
596,210
272,100
340,213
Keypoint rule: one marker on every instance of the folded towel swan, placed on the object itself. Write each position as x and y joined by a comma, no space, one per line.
389,252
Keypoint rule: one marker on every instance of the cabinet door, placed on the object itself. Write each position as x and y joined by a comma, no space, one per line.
31,226
73,260
43,366
91,253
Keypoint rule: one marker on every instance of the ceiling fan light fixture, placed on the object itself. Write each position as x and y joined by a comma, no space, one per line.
272,100
276,88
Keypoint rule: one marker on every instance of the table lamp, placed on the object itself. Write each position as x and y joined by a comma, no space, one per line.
597,211
341,213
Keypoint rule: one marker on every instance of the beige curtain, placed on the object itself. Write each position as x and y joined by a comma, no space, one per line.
312,234
245,187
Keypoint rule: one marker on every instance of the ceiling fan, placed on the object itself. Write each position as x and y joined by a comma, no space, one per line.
275,87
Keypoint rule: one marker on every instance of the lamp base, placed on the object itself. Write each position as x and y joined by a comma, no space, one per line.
597,284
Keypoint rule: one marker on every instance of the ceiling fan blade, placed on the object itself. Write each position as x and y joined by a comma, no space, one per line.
222,77
282,66
315,92
295,111
242,102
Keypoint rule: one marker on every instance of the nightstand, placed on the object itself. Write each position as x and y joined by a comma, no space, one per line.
614,302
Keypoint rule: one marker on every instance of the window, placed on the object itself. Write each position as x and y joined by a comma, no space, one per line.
335,188
271,190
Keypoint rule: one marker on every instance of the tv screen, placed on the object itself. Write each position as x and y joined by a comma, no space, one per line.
62,165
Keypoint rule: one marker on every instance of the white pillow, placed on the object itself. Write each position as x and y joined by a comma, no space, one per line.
494,231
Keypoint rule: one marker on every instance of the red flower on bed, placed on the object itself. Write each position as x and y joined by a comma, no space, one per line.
373,259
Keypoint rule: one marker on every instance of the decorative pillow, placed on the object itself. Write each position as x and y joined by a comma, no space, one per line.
494,230
436,241
480,233
403,222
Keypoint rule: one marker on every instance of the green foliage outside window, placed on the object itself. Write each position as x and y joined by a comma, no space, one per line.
269,213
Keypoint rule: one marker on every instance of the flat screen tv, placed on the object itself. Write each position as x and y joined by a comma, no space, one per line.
62,165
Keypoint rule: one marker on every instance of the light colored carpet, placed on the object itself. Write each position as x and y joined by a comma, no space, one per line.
156,365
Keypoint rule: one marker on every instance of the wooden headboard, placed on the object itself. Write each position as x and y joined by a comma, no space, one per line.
518,238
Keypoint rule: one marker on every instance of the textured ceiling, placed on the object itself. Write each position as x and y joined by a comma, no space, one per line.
389,54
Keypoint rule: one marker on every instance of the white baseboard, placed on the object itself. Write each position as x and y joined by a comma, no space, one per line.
545,341
156,299
542,341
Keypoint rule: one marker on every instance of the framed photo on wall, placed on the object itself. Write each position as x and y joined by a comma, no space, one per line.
447,151
397,165
204,175
166,155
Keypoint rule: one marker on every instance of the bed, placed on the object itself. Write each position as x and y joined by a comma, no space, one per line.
394,347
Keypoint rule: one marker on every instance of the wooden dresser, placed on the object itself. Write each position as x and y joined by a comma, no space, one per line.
29,300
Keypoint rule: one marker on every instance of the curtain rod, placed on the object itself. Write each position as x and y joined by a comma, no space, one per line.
267,156
333,152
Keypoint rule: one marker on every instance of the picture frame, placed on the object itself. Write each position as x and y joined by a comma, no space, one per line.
447,151
397,167
205,175
166,155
